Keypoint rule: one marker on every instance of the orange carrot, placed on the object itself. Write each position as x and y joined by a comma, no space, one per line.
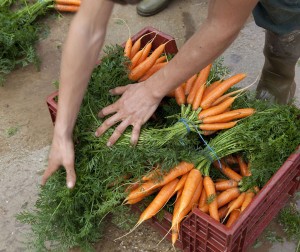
145,53
176,225
223,87
128,46
229,116
224,185
68,2
136,200
66,8
233,217
211,198
143,67
217,126
227,196
161,59
211,87
135,59
201,79
216,110
248,198
181,182
227,171
208,132
243,166
203,198
179,170
223,211
198,97
189,84
230,160
236,204
179,95
156,67
204,208
154,174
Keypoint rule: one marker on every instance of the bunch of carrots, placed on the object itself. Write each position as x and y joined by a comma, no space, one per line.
221,199
67,5
200,100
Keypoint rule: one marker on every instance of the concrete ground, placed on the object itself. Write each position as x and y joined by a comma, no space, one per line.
26,129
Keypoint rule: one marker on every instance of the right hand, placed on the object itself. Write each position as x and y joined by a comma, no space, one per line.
61,154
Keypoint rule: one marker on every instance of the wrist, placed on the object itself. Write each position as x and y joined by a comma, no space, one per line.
62,131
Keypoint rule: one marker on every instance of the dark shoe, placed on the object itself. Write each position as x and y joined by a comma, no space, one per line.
148,8
277,82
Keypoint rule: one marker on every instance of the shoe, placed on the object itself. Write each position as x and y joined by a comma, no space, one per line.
148,8
277,83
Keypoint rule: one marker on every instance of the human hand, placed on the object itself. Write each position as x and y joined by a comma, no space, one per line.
61,154
135,107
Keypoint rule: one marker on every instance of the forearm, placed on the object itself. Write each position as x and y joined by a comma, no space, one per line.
80,53
213,37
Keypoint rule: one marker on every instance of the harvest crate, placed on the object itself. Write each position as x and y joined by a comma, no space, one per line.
199,232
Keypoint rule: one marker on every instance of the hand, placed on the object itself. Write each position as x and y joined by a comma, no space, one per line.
135,107
61,154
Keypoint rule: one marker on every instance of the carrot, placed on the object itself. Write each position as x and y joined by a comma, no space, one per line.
155,174
223,87
189,84
137,44
211,87
248,198
135,59
224,185
211,197
227,196
179,95
230,160
208,132
145,53
127,49
161,59
68,2
143,67
223,211
229,116
203,198
236,204
243,167
217,126
179,170
198,97
181,182
193,180
227,171
201,79
216,110
233,217
66,8
156,67
224,97
204,208
176,225
158,203
136,200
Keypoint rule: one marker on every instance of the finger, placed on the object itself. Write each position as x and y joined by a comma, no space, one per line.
107,124
117,133
108,110
48,172
118,90
135,134
71,175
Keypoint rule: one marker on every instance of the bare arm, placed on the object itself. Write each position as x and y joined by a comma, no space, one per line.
80,53
224,21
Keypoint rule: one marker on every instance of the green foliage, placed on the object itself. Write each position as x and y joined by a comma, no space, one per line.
19,34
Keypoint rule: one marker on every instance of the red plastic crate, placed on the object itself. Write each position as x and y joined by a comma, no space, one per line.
199,232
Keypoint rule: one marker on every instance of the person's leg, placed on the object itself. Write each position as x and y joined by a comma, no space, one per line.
281,55
151,7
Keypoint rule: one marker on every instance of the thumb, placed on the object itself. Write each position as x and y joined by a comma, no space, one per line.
118,90
71,175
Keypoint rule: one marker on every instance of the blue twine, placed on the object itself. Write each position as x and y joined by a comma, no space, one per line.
198,132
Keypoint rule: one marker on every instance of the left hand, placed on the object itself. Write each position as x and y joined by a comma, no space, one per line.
135,107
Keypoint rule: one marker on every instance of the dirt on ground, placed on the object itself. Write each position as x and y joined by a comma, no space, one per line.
26,128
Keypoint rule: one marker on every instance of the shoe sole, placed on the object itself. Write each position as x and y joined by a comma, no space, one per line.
147,14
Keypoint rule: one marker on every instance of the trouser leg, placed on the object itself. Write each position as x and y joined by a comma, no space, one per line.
277,81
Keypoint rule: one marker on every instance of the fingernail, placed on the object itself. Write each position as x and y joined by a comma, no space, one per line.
110,91
96,134
70,184
108,144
